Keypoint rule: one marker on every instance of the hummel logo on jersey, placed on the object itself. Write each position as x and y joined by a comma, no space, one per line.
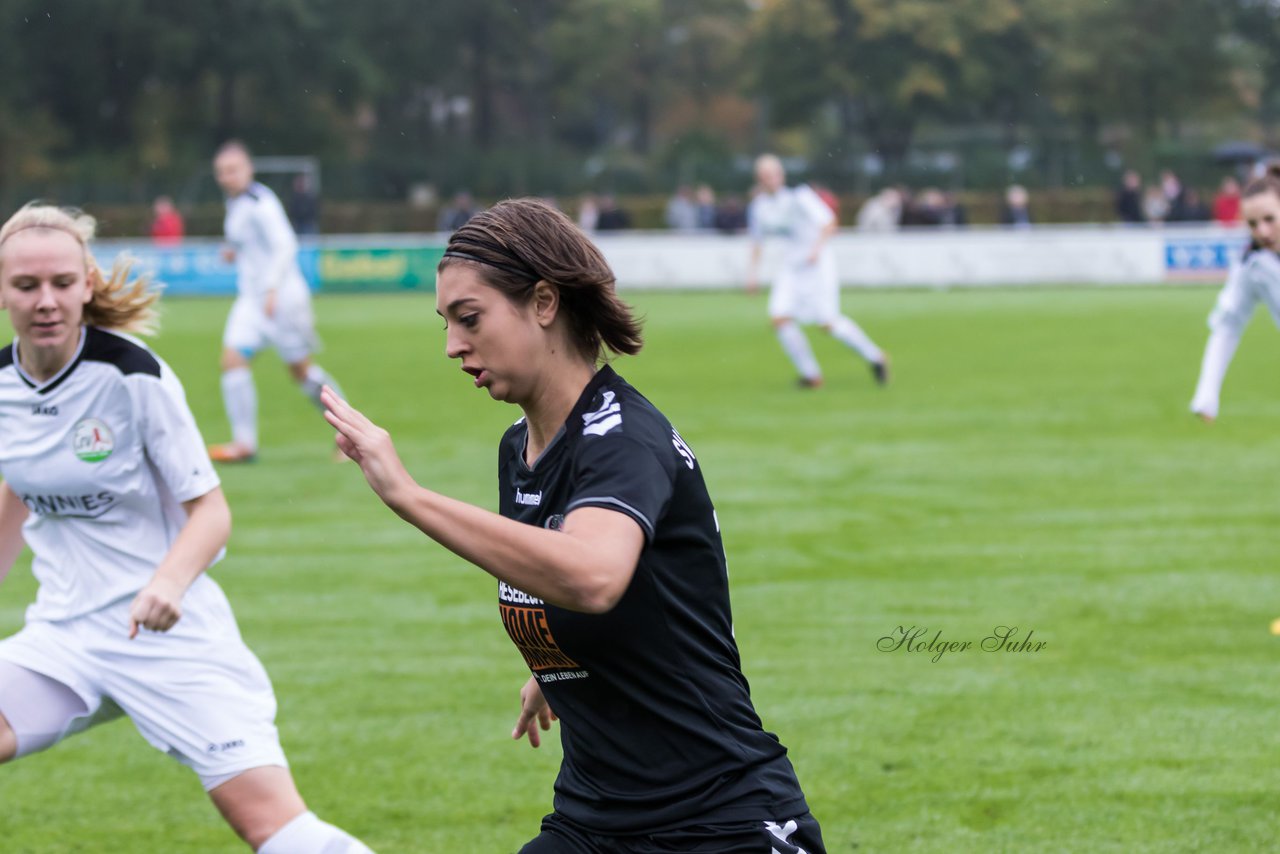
529,499
41,409
604,419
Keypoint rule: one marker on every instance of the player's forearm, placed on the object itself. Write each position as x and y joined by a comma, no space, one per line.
552,565
823,236
204,535
12,514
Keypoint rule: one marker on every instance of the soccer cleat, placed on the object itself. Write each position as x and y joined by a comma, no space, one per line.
232,452
1206,417
880,371
809,382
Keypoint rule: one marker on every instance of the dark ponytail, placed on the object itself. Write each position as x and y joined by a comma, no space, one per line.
517,243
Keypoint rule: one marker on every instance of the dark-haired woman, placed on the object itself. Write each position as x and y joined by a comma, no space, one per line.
611,573
1256,278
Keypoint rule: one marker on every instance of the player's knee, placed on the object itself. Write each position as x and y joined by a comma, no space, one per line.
232,359
300,370
258,802
8,741
1221,320
779,322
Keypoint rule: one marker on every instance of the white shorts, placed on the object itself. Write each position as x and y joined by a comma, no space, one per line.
807,293
195,692
291,330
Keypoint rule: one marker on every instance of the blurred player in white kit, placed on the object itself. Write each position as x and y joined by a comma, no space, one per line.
805,288
1253,279
273,303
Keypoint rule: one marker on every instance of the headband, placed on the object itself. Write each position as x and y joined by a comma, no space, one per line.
524,271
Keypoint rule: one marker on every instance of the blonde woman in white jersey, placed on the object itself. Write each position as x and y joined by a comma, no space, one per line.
805,288
273,303
106,478
1254,279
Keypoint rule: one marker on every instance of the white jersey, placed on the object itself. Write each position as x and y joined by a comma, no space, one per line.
266,248
102,455
795,213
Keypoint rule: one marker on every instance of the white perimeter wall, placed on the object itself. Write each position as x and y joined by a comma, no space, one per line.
969,257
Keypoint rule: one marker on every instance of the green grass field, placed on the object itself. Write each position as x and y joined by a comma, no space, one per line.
1032,465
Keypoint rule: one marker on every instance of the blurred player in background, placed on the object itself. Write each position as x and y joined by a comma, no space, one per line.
611,570
805,288
107,479
1256,278
273,305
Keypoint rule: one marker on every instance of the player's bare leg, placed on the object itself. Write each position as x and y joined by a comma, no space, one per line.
263,806
8,741
241,400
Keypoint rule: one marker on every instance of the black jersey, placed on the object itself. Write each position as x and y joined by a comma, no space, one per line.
656,717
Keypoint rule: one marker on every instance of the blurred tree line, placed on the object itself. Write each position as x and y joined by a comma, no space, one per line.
116,102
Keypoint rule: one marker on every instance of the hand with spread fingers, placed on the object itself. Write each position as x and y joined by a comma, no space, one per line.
368,444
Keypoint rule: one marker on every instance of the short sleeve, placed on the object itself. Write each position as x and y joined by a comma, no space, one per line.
754,229
619,473
170,437
815,209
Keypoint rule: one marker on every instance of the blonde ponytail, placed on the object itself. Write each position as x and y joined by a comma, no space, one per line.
117,303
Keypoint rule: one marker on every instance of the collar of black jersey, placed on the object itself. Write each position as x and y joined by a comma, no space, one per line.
603,376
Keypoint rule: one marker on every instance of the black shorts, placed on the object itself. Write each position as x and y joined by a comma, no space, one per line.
800,835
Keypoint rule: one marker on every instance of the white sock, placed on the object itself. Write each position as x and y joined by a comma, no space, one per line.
797,348
317,377
307,834
1213,368
851,335
241,400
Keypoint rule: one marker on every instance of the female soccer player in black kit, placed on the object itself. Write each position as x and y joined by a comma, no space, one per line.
611,571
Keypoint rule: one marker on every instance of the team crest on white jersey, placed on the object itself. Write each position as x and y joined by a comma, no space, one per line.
92,440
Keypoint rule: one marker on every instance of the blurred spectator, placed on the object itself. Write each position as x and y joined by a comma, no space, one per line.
682,211
926,209
1174,195
612,217
1129,198
881,212
731,217
167,227
1193,207
953,213
588,213
1155,205
1226,205
705,200
1016,213
454,215
304,206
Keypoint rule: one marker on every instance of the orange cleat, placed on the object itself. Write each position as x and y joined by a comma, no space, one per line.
232,452
809,382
